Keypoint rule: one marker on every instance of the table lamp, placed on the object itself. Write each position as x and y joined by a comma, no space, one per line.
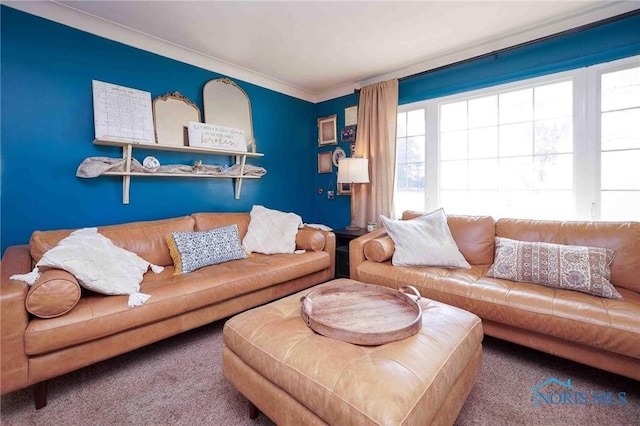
353,170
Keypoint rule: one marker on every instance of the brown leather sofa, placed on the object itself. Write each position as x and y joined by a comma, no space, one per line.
600,332
35,349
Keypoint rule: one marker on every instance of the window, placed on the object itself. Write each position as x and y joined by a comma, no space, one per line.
620,144
410,158
535,149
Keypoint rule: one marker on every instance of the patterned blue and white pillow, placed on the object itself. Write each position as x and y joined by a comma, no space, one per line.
194,250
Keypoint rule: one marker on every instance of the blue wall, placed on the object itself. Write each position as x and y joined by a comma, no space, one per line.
47,130
335,213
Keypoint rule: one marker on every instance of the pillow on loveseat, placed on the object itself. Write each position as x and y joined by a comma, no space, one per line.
195,250
55,293
424,241
271,231
578,268
98,265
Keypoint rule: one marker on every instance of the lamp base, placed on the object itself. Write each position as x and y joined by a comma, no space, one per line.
353,227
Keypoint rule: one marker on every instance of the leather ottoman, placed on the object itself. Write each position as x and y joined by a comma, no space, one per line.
296,376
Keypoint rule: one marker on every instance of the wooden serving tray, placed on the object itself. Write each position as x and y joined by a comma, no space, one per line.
363,314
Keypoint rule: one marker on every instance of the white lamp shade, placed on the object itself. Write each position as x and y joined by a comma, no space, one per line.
353,170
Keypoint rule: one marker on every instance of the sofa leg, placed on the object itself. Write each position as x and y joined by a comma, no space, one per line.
40,394
253,411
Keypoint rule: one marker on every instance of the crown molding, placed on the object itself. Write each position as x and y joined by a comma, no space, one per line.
74,18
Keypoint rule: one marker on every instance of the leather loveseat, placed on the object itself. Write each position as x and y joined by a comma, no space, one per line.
600,332
99,327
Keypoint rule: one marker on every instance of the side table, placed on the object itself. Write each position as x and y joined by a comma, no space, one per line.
343,237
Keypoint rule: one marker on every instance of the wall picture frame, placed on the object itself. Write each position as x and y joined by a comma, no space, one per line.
337,155
351,115
325,162
344,188
348,133
327,133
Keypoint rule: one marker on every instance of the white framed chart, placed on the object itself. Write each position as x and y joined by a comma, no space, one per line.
122,113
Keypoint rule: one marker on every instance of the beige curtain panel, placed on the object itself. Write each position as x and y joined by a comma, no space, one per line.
376,140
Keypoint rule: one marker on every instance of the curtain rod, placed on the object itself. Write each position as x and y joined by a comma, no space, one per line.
521,45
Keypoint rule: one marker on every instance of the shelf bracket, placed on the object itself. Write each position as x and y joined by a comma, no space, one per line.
239,179
126,180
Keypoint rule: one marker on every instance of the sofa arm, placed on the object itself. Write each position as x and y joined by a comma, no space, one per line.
307,239
14,319
356,250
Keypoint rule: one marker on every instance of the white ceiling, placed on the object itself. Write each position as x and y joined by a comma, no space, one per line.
318,50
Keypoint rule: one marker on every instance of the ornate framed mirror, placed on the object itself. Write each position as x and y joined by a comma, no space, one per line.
226,104
171,115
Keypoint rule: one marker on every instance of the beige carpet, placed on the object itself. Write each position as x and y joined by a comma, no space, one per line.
179,381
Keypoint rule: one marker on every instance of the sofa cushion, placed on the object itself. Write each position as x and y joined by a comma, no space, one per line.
209,220
271,231
621,237
446,285
608,324
194,250
146,239
424,241
55,293
578,268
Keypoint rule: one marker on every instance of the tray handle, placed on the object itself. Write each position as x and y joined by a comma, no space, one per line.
305,309
416,293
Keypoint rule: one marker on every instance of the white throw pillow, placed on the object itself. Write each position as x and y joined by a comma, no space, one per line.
424,241
271,231
98,265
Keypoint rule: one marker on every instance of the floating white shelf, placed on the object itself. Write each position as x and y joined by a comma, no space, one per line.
127,149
